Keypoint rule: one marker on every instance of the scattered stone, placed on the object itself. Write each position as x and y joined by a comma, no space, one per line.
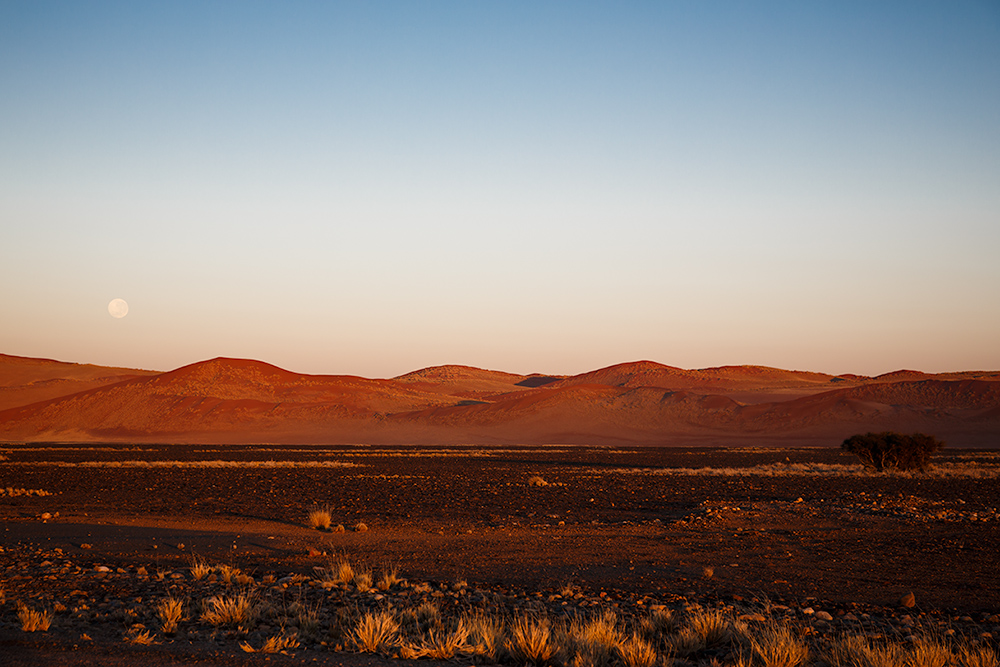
908,600
823,616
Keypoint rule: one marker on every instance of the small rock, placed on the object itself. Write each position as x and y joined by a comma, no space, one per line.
46,516
908,600
361,528
808,611
86,546
823,616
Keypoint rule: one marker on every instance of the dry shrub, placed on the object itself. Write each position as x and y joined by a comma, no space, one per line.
170,611
535,480
32,620
772,646
237,611
531,641
228,574
636,652
320,519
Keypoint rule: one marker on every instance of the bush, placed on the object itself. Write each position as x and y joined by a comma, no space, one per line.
893,451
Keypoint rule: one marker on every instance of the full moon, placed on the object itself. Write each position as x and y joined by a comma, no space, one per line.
118,308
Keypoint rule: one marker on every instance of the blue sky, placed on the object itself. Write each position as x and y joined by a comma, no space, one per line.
372,188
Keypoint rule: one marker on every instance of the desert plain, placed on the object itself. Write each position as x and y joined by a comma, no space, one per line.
98,534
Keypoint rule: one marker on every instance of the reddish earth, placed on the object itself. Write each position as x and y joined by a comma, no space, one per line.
625,521
641,403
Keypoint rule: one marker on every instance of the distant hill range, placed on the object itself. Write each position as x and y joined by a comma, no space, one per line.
640,403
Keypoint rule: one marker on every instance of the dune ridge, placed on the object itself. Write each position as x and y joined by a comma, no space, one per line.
226,400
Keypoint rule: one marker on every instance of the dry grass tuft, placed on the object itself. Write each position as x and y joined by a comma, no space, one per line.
389,579
376,633
170,611
979,656
275,644
363,581
236,611
531,641
857,651
708,572
486,635
536,480
32,620
595,642
342,572
636,652
713,627
774,646
200,569
926,652
139,636
442,645
320,519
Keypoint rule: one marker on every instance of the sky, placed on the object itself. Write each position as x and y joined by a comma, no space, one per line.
373,188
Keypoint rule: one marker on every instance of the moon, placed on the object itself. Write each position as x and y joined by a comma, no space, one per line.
118,308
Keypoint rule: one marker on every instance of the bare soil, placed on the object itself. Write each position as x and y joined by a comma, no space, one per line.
605,522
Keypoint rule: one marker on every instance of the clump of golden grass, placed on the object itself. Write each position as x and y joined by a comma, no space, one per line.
713,627
926,652
341,572
200,569
536,480
595,642
170,611
390,578
32,620
235,611
361,528
439,644
428,616
486,636
531,641
140,636
708,572
320,519
659,623
771,646
363,581
857,651
274,644
978,656
636,652
376,633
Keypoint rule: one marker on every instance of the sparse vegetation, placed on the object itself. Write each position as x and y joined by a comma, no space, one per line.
170,612
536,480
140,636
236,611
531,641
320,519
275,644
376,633
893,451
33,620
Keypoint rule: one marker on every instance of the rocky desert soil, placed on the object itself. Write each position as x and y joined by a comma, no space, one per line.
100,535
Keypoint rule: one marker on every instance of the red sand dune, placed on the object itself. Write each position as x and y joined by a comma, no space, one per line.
240,401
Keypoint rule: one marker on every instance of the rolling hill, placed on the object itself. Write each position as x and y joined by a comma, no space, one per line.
244,401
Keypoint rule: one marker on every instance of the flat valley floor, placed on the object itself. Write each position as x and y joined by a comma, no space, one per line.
792,527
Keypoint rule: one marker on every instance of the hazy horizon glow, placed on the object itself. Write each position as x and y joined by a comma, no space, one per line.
374,188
